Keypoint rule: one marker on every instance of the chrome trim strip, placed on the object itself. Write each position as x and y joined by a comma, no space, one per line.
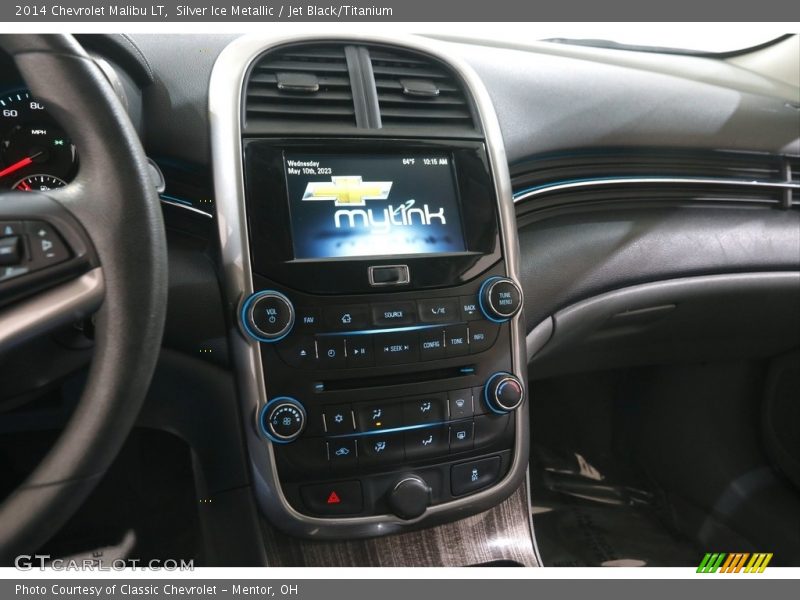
608,181
68,302
225,89
185,207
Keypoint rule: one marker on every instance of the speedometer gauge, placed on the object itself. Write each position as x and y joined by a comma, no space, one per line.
35,153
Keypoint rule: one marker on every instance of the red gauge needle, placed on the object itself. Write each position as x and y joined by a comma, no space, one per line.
18,165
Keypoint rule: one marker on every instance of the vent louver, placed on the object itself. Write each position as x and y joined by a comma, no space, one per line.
298,84
414,90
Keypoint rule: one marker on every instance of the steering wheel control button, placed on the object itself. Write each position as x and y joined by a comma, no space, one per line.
343,454
393,314
460,404
347,318
382,449
500,298
9,228
268,316
461,436
339,420
410,497
503,393
443,310
474,475
283,419
332,499
47,248
425,443
10,250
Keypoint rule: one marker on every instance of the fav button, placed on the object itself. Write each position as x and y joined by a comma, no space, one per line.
307,318
341,498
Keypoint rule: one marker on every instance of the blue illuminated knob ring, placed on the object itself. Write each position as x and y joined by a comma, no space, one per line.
494,393
293,409
488,308
284,312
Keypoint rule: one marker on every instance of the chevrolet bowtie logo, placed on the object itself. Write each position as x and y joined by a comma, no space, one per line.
348,190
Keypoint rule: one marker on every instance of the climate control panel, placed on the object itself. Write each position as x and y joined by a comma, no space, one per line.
380,402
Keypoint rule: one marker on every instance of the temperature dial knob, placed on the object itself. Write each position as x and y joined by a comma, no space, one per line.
283,419
499,298
267,316
503,393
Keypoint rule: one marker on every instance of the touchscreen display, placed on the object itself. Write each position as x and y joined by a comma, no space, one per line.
372,205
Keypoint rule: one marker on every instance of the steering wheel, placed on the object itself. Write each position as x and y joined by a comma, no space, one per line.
110,223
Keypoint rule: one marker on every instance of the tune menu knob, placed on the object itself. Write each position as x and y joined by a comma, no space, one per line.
503,393
267,316
499,298
283,419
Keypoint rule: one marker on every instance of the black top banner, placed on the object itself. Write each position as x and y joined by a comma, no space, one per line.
243,11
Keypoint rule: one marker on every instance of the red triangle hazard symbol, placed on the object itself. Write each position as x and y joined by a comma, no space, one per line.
333,498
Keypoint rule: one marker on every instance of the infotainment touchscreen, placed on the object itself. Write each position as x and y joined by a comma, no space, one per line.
372,205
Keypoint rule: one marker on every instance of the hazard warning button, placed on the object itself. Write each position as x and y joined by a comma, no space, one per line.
340,498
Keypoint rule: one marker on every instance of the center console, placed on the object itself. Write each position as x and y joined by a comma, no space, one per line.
372,282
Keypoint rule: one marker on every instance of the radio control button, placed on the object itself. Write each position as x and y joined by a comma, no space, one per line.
377,416
431,344
331,352
308,318
298,352
455,339
379,448
500,298
345,318
461,436
360,351
394,314
419,411
396,348
460,404
470,311
267,316
482,335
444,310
424,443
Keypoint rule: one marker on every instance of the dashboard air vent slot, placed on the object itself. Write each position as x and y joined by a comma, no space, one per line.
416,90
301,83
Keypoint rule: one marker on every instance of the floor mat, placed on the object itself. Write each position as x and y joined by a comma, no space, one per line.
582,519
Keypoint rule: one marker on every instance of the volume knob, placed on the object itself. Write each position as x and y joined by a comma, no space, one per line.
499,298
267,316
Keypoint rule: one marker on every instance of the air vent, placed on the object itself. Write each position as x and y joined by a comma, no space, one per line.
415,90
300,84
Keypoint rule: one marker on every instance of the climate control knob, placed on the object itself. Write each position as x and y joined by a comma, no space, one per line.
499,298
503,393
283,419
267,316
